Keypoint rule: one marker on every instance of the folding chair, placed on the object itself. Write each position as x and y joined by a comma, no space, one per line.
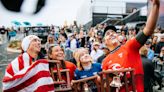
59,83
84,85
108,76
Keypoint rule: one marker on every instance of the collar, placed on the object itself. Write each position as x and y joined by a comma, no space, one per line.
111,52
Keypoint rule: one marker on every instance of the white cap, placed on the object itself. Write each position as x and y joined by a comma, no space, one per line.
27,40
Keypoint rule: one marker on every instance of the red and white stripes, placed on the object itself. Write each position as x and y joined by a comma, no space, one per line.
27,78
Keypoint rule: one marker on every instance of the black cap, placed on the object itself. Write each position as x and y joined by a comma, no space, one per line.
111,27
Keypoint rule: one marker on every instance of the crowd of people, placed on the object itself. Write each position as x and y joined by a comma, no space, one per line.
86,52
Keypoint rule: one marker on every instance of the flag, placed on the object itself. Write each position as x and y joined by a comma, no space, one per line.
32,78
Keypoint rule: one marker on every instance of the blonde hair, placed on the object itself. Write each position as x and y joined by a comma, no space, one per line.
143,51
79,65
77,54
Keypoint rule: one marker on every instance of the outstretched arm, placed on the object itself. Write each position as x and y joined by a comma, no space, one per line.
152,19
150,24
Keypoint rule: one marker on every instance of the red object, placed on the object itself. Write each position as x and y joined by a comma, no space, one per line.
127,56
21,77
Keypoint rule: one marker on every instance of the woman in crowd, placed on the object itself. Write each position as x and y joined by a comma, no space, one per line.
50,41
55,52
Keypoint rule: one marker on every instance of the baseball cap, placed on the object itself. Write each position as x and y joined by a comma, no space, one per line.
111,27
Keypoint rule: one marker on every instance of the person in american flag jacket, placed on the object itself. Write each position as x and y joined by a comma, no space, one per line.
25,75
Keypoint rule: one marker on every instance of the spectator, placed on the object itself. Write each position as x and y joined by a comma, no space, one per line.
72,43
122,39
62,32
160,58
50,41
81,38
158,74
26,74
150,54
161,55
160,44
154,43
55,52
77,53
86,69
131,33
96,52
148,70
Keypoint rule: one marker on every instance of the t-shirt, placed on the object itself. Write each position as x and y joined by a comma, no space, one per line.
71,67
96,54
80,74
127,56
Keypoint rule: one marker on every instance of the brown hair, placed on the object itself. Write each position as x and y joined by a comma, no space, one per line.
50,52
48,39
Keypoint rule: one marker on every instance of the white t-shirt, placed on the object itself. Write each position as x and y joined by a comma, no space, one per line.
73,44
96,54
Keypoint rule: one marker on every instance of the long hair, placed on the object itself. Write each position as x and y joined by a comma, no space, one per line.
50,52
78,55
